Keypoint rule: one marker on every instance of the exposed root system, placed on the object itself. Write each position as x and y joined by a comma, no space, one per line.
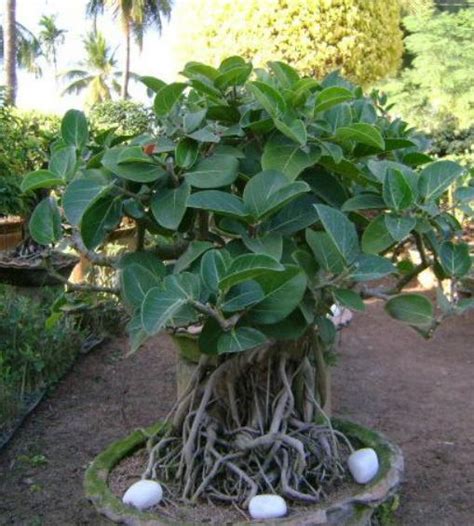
251,424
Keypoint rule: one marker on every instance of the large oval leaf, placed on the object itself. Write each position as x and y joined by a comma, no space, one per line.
167,97
249,266
74,129
82,193
414,309
169,205
214,172
45,222
40,179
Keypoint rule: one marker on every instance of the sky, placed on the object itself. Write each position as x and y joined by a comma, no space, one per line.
44,93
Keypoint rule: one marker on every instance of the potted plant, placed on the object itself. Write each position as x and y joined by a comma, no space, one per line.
265,198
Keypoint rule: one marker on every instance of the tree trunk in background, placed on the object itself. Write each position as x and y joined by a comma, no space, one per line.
126,64
10,51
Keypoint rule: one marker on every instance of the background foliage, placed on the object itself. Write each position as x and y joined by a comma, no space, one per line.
362,38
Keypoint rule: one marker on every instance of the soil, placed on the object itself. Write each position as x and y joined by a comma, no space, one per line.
418,393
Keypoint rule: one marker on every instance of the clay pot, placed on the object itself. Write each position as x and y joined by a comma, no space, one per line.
355,509
11,233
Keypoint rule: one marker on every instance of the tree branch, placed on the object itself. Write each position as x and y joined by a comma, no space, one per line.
225,324
80,286
93,257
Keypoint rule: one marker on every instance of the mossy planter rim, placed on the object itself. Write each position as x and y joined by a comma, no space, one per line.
362,503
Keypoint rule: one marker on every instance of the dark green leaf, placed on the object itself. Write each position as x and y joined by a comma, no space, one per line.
325,252
219,202
363,202
286,75
186,153
361,133
214,172
269,98
40,179
63,162
193,252
167,97
397,192
283,292
45,222
212,268
100,218
399,227
455,258
295,216
437,177
235,76
330,97
286,156
242,296
350,299
376,237
240,339
74,129
136,281
341,231
145,259
414,309
371,267
268,244
293,129
82,193
169,205
249,266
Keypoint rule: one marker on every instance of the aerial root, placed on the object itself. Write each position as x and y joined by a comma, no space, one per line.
251,425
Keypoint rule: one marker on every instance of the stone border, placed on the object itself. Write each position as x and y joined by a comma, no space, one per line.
355,510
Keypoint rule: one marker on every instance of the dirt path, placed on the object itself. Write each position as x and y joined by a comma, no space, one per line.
419,393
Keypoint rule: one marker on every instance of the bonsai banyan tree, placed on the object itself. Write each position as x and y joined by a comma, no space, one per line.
262,199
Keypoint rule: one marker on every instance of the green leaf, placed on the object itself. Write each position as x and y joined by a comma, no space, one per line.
136,281
414,309
330,97
99,219
236,76
145,259
293,129
455,258
213,267
290,328
268,244
327,330
159,307
350,299
240,339
214,172
40,179
465,194
186,153
74,129
169,205
325,252
397,192
128,164
192,120
268,97
338,116
286,75
152,83
82,193
220,202
371,267
242,296
341,231
194,251
63,162
167,97
376,237
399,227
295,216
45,222
361,133
249,266
269,191
437,177
286,156
363,202
283,292
206,134
194,70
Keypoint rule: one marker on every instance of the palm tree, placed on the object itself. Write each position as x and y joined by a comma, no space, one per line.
18,48
135,17
50,37
97,73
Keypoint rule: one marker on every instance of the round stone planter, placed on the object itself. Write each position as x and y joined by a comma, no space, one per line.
354,510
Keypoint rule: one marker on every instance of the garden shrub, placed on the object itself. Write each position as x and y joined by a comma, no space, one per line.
125,117
362,38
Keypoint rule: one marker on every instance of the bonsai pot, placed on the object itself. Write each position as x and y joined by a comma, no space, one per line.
11,232
32,272
353,509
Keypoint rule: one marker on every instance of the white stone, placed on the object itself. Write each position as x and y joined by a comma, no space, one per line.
267,507
363,465
143,494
